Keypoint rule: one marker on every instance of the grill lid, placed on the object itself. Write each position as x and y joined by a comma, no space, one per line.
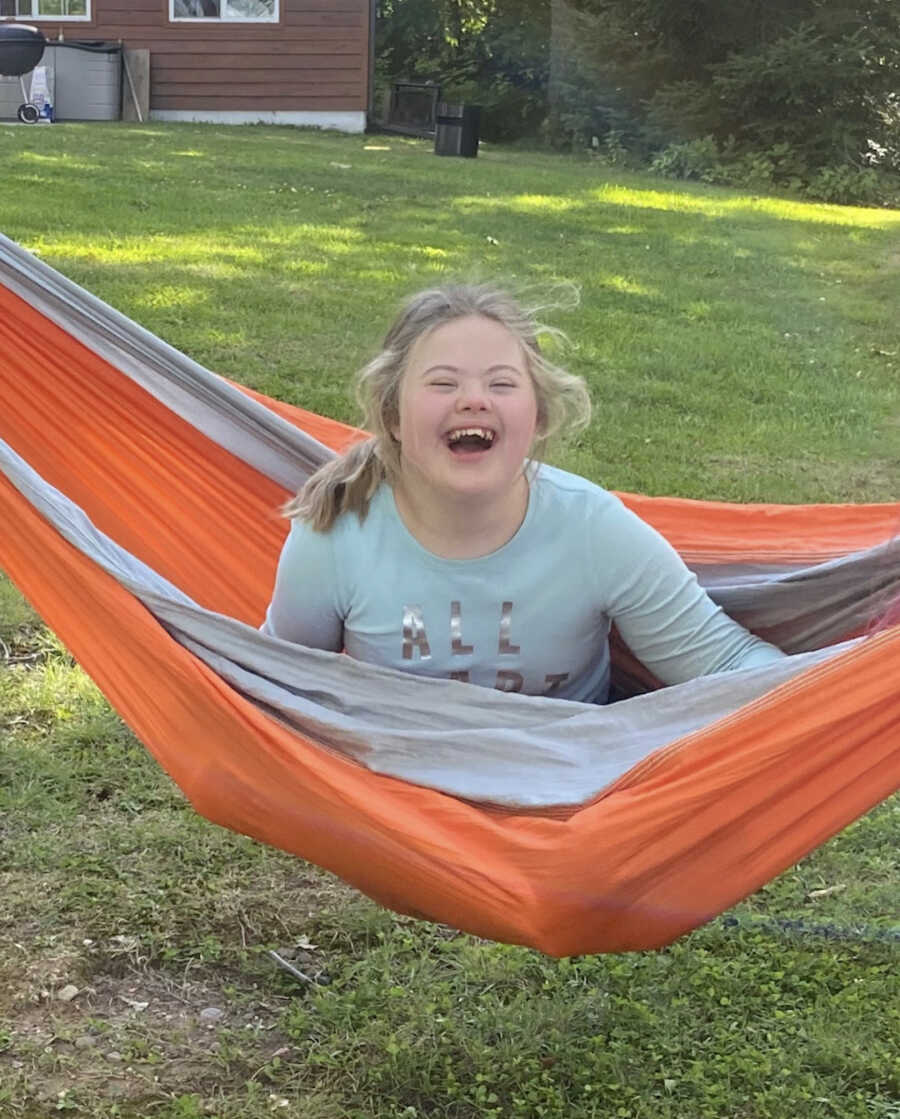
21,48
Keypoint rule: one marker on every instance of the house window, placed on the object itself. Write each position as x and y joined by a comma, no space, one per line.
46,9
246,11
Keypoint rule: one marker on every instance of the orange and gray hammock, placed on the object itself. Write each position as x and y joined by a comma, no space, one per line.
139,498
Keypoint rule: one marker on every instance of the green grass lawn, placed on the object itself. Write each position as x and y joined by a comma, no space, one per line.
737,347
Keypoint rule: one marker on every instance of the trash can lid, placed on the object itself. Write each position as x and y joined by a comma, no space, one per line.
98,46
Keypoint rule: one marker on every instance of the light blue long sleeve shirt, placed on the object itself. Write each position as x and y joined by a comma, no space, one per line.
534,616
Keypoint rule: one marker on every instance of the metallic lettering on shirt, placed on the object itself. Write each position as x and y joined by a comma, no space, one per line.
456,641
414,633
505,649
462,676
554,679
508,681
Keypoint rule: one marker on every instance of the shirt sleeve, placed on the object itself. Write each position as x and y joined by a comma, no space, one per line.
305,602
664,616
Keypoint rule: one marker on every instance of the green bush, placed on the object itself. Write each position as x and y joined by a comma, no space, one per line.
692,159
815,95
612,149
864,186
779,166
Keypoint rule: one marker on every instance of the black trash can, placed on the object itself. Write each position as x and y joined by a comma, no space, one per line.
457,129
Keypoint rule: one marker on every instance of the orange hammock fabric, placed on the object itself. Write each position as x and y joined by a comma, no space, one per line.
679,838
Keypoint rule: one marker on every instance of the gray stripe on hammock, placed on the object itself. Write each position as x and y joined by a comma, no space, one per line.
470,742
807,608
244,427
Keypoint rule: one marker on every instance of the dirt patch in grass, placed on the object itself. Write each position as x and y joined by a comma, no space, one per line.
144,1036
126,1037
99,1029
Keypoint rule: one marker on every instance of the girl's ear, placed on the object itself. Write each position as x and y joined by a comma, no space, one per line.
391,412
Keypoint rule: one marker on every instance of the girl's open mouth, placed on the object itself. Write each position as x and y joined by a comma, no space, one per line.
470,440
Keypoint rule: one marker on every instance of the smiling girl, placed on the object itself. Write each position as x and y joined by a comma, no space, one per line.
443,546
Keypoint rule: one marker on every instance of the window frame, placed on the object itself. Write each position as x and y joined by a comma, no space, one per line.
86,18
259,20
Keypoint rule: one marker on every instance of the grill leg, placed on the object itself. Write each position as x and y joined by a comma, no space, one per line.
27,113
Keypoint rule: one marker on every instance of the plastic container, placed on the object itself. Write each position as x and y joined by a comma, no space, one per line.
88,80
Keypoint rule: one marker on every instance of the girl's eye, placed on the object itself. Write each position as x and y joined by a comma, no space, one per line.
505,384
443,384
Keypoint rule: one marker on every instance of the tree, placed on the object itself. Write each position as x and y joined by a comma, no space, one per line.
817,75
493,52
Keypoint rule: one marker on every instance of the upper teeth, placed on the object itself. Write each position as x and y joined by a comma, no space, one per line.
483,432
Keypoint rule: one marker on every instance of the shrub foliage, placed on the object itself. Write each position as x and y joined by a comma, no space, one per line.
798,93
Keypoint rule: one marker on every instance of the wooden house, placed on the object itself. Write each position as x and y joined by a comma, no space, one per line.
301,62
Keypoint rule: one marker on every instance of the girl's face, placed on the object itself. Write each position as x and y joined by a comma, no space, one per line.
468,410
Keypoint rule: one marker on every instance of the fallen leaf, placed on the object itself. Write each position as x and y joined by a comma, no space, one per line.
134,1003
824,893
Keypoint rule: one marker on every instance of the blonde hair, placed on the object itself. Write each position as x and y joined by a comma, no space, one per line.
349,482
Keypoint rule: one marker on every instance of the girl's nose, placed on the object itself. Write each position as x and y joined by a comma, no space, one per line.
472,397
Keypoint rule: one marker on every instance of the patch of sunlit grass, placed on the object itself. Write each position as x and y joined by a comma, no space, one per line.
711,202
241,248
174,296
718,204
627,285
306,267
64,161
121,251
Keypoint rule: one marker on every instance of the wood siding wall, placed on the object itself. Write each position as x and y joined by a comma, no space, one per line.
315,58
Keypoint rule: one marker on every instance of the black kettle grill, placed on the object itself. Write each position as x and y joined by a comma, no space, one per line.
21,49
